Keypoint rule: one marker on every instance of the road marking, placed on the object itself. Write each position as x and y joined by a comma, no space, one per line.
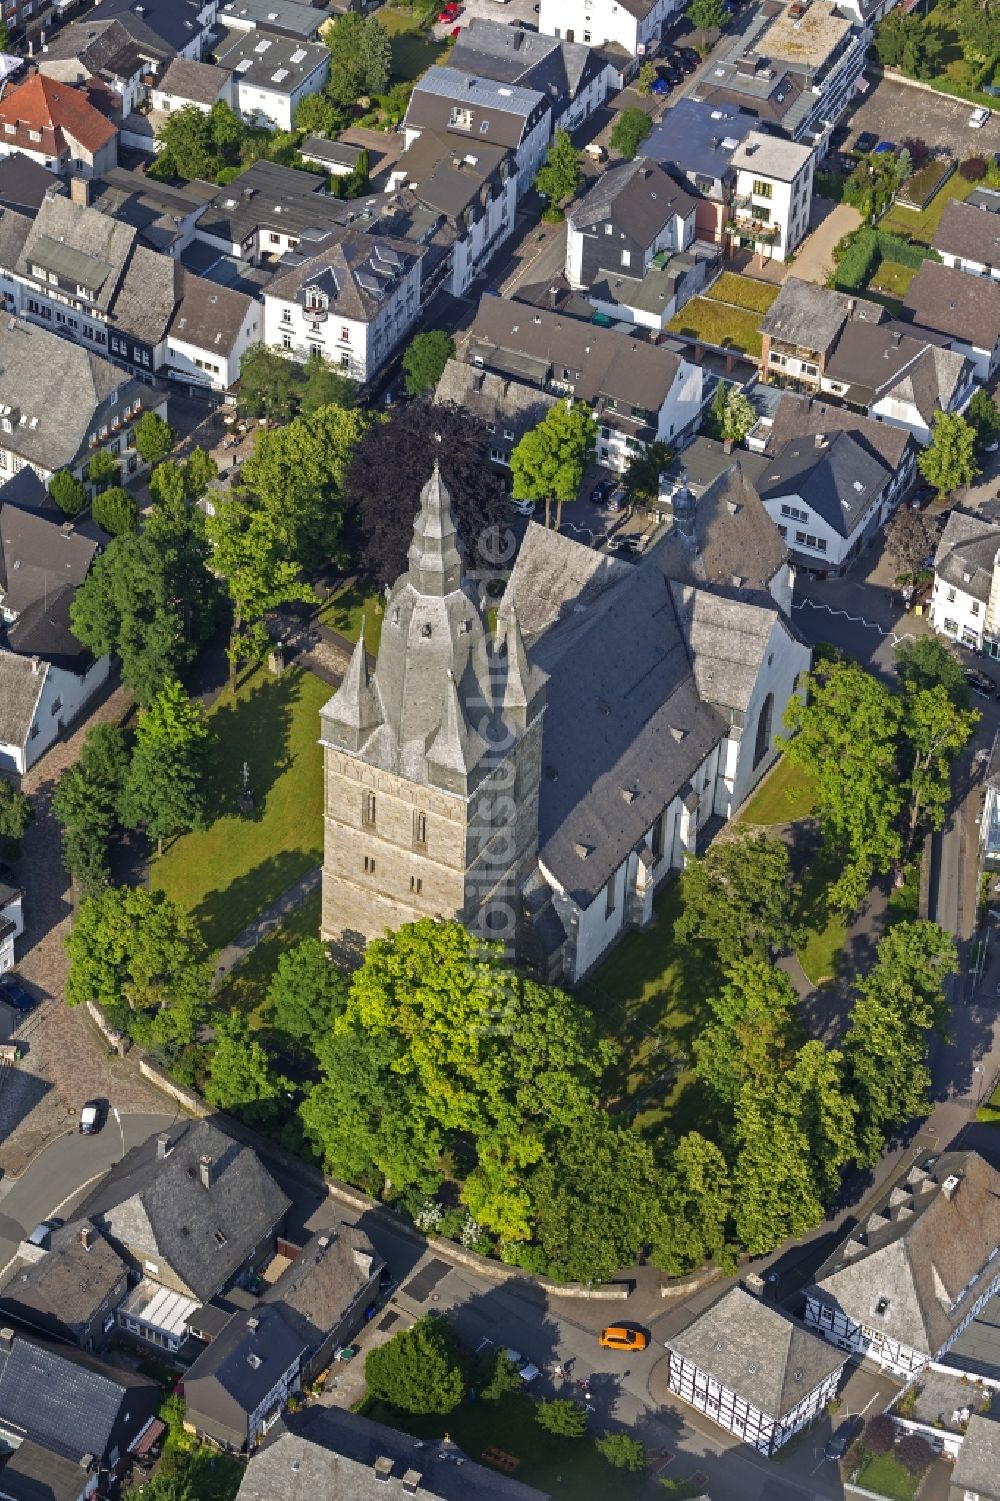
79,1189
869,625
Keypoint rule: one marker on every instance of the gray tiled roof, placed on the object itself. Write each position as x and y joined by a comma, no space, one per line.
758,1352
20,687
69,1401
202,83
102,242
293,16
914,1275
736,538
326,1278
493,398
67,1284
834,474
448,177
969,232
952,302
172,23
332,1454
977,1468
357,272
966,552
34,1473
799,416
509,54
208,315
233,1375
638,197
38,555
813,316
281,68
727,640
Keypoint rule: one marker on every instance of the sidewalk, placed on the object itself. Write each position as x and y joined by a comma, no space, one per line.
266,922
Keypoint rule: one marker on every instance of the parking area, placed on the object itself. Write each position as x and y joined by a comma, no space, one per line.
894,110
491,10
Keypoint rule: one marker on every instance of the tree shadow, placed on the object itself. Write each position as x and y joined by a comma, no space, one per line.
252,729
224,914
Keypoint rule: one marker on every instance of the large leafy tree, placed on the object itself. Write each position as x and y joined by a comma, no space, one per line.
165,790
776,1194
324,386
115,511
934,730
949,460
136,954
419,1370
642,477
424,358
926,662
816,1093
85,803
15,813
846,737
307,993
753,1034
549,462
391,465
739,898
738,416
154,438
982,410
68,492
269,385
706,15
560,176
240,1076
697,1206
360,57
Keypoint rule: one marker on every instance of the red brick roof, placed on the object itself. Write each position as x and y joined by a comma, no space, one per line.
51,108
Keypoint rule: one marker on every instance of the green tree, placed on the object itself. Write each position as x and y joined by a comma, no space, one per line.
934,730
185,141
419,1370
629,131
738,417
716,415
549,461
697,1207
424,359
85,803
4,37
240,1077
115,511
978,29
754,1031
645,79
707,15
323,386
984,415
320,114
559,176
845,735
15,813
738,897
642,477
496,1374
360,57
165,790
67,492
907,43
269,385
622,1451
200,470
167,483
926,662
140,958
154,438
102,469
307,993
949,460
776,1195
561,1418
818,1098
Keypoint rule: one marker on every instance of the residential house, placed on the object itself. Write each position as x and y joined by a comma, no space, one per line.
653,725
796,67
903,1284
263,214
965,604
482,110
185,83
338,158
34,1473
976,1476
164,214
67,1291
236,1390
965,309
53,124
801,328
72,1404
11,923
327,1452
635,25
353,301
573,76
211,329
695,142
509,408
191,1211
773,194
179,28
897,375
639,393
324,1294
272,74
108,52
295,19
968,236
753,1370
635,212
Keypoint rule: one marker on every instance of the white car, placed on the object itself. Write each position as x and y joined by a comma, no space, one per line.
525,1369
523,507
979,117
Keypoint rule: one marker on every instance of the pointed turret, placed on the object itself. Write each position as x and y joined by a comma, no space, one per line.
434,559
452,753
517,693
353,711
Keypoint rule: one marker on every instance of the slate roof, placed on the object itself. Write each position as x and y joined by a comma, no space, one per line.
232,1376
20,689
201,83
171,23
509,54
699,139
14,230
100,43
101,245
160,1209
24,183
268,195
503,108
66,1400
970,232
738,545
208,315
920,1261
37,555
758,1352
325,1280
812,316
295,18
952,302
340,153
727,640
268,61
835,475
506,403
65,1285
356,271
555,574
329,1453
449,174
34,1473
931,381
638,197
799,416
46,105
977,1468
965,553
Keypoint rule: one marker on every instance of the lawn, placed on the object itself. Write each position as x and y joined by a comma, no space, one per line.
245,988
785,795
892,279
344,609
719,323
743,291
884,1473
826,931
989,1110
413,48
568,1469
226,874
922,226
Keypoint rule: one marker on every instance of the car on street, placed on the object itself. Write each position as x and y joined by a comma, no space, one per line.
622,1337
884,147
866,142
842,1437
524,1367
979,117
523,507
91,1118
616,500
659,86
689,58
980,683
14,993
601,491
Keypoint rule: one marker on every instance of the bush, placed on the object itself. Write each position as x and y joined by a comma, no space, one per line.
914,1453
973,169
418,1370
918,149
858,262
563,1418
629,131
880,1433
116,512
622,1450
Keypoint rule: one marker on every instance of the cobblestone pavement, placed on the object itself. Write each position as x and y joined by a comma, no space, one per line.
66,1061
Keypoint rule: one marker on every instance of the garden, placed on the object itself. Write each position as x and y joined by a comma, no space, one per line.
889,1463
954,45
723,324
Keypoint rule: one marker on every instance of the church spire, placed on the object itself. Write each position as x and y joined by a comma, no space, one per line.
517,688
354,706
450,751
434,559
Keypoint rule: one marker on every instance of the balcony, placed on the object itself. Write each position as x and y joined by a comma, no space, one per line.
315,315
746,224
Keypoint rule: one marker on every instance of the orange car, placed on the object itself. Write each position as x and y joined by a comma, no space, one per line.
617,1337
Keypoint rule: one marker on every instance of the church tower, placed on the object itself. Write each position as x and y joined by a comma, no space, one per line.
432,763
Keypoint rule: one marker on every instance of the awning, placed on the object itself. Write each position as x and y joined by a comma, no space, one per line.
148,1438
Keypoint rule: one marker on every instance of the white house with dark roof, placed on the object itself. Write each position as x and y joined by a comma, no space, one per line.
773,194
902,1285
186,82
574,76
968,235
634,211
964,309
635,25
899,375
965,603
482,110
272,74
753,1370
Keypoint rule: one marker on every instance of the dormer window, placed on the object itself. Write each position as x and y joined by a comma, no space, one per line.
316,300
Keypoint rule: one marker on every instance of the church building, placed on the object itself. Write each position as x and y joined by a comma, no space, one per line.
541,782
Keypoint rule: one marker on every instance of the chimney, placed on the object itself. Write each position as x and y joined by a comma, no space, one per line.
162,1147
851,305
35,666
6,1339
86,1236
205,1171
79,191
411,1482
383,1469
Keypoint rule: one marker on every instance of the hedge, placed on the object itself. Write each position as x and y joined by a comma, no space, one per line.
866,249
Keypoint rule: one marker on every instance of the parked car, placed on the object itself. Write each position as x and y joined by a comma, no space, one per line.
525,1369
601,491
660,86
621,1337
449,13
979,117
616,500
866,142
980,683
843,1436
91,1118
456,33
40,1235
14,993
523,507
884,147
689,57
